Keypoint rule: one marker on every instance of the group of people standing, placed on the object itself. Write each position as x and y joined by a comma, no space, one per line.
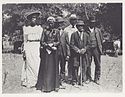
46,51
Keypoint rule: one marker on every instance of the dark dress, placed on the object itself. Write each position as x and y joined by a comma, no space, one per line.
48,77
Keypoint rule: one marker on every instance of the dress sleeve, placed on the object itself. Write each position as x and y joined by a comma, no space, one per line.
40,32
25,36
57,42
42,40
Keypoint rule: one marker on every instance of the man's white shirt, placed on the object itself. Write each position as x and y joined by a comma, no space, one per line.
70,30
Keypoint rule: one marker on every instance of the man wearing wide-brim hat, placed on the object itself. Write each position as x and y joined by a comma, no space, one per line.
96,40
79,44
64,52
70,29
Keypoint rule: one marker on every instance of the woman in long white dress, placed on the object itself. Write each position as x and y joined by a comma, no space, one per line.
32,34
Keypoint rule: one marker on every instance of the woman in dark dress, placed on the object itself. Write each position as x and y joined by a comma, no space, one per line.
48,77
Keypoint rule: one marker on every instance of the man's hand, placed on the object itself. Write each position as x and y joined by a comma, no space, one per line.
67,58
82,51
24,55
78,51
50,44
103,41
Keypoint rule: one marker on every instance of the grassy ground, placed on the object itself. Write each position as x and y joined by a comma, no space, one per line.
111,76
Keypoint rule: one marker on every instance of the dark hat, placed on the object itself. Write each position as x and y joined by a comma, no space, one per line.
59,20
80,23
92,19
33,14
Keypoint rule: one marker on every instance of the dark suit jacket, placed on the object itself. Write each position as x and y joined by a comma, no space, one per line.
64,44
99,38
76,43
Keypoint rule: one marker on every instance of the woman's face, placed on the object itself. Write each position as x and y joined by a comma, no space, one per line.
73,21
33,20
92,24
51,23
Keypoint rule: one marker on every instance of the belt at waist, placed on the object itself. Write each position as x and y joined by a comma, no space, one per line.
33,40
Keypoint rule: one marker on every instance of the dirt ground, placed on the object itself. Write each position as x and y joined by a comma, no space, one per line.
111,76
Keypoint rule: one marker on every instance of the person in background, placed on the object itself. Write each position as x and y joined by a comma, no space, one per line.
64,52
95,50
31,45
48,77
117,47
70,29
80,45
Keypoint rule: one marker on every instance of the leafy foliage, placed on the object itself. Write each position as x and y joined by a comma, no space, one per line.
108,15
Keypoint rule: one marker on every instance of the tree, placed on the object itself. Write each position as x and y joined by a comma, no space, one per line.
108,15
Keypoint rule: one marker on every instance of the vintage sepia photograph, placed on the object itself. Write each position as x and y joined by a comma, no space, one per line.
62,48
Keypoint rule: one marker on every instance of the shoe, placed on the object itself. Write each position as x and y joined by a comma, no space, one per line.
97,82
87,82
69,82
73,83
57,89
62,87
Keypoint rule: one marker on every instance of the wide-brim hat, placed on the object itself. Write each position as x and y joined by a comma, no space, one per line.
33,14
59,20
80,23
92,19
73,17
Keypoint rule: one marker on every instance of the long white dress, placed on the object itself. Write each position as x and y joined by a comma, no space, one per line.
31,47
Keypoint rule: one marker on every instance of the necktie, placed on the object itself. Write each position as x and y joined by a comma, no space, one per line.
81,35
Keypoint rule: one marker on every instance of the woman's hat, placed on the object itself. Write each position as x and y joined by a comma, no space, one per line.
51,19
33,14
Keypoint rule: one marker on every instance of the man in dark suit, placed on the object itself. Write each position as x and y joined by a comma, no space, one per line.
64,52
95,50
79,46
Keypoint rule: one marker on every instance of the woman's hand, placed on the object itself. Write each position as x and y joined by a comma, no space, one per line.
50,44
54,48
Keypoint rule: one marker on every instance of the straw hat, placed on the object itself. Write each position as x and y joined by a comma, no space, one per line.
80,23
33,14
59,20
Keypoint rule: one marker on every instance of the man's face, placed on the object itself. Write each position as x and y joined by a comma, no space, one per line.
60,25
51,23
80,28
73,21
92,24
